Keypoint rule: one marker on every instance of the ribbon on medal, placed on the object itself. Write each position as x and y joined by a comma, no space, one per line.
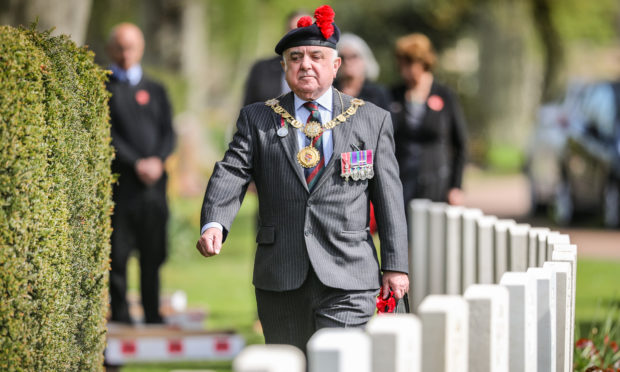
357,165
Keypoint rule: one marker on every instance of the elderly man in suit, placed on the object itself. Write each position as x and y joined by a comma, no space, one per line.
318,158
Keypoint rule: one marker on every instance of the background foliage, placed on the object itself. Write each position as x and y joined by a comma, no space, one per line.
55,185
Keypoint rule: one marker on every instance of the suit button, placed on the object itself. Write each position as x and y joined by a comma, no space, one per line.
307,233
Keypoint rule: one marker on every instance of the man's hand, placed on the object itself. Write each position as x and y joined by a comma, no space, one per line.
456,196
210,243
396,281
149,170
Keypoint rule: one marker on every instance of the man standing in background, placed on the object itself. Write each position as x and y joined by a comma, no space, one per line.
266,78
142,135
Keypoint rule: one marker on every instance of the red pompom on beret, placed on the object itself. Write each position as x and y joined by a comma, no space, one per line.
323,32
304,21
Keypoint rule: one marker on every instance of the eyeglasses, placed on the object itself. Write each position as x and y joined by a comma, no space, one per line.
349,57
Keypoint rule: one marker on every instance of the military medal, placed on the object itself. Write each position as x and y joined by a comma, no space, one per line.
345,165
357,164
308,157
282,132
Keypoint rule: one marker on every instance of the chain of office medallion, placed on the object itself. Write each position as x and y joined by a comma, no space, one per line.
355,104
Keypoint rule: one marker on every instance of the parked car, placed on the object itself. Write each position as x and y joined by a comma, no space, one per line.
572,158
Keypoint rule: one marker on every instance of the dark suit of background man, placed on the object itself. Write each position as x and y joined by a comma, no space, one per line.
316,265
143,138
266,78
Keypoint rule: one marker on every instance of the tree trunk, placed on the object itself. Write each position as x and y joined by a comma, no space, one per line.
69,17
554,51
507,95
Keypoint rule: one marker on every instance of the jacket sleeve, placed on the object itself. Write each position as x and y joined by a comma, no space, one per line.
230,178
124,153
167,136
386,194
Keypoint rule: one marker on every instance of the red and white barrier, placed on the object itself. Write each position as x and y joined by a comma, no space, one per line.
159,344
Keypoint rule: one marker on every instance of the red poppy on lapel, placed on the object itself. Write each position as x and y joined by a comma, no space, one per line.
142,97
435,102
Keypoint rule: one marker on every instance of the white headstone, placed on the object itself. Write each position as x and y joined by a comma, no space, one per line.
522,324
488,322
437,248
501,247
563,299
396,343
453,249
534,247
469,268
517,243
553,240
545,313
542,247
568,253
486,256
444,333
339,350
270,358
418,250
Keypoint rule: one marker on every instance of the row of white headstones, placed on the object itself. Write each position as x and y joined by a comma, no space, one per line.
487,295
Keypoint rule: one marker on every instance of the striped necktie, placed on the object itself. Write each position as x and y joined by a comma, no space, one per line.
313,174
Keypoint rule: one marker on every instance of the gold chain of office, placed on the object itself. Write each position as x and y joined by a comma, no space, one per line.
313,129
309,156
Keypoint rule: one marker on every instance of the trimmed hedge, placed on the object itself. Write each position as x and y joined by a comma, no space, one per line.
55,195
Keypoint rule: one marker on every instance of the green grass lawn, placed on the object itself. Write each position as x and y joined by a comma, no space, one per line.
223,284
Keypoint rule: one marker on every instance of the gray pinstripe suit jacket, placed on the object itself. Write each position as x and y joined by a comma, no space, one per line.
326,228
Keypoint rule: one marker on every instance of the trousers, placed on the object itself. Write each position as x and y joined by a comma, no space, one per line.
292,317
139,224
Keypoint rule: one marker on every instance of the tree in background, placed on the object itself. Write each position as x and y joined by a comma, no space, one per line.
68,17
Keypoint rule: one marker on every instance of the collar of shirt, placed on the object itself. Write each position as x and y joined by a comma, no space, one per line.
325,107
133,75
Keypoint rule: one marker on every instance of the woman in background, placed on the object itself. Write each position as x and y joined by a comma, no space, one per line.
358,71
356,78
429,127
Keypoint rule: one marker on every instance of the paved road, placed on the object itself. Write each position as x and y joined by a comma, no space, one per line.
507,196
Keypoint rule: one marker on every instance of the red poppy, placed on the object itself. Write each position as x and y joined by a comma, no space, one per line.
385,306
435,102
582,343
142,97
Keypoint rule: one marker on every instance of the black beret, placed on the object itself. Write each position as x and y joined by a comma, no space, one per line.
310,35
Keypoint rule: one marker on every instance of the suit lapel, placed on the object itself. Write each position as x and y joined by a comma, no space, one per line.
289,142
340,135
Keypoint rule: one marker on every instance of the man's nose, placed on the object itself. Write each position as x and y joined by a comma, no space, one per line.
306,63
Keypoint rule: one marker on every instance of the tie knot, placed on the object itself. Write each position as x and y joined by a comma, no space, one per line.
311,106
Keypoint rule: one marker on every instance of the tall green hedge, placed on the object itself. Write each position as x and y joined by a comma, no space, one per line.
55,204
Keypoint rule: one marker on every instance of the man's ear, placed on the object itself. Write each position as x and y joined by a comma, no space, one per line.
337,63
